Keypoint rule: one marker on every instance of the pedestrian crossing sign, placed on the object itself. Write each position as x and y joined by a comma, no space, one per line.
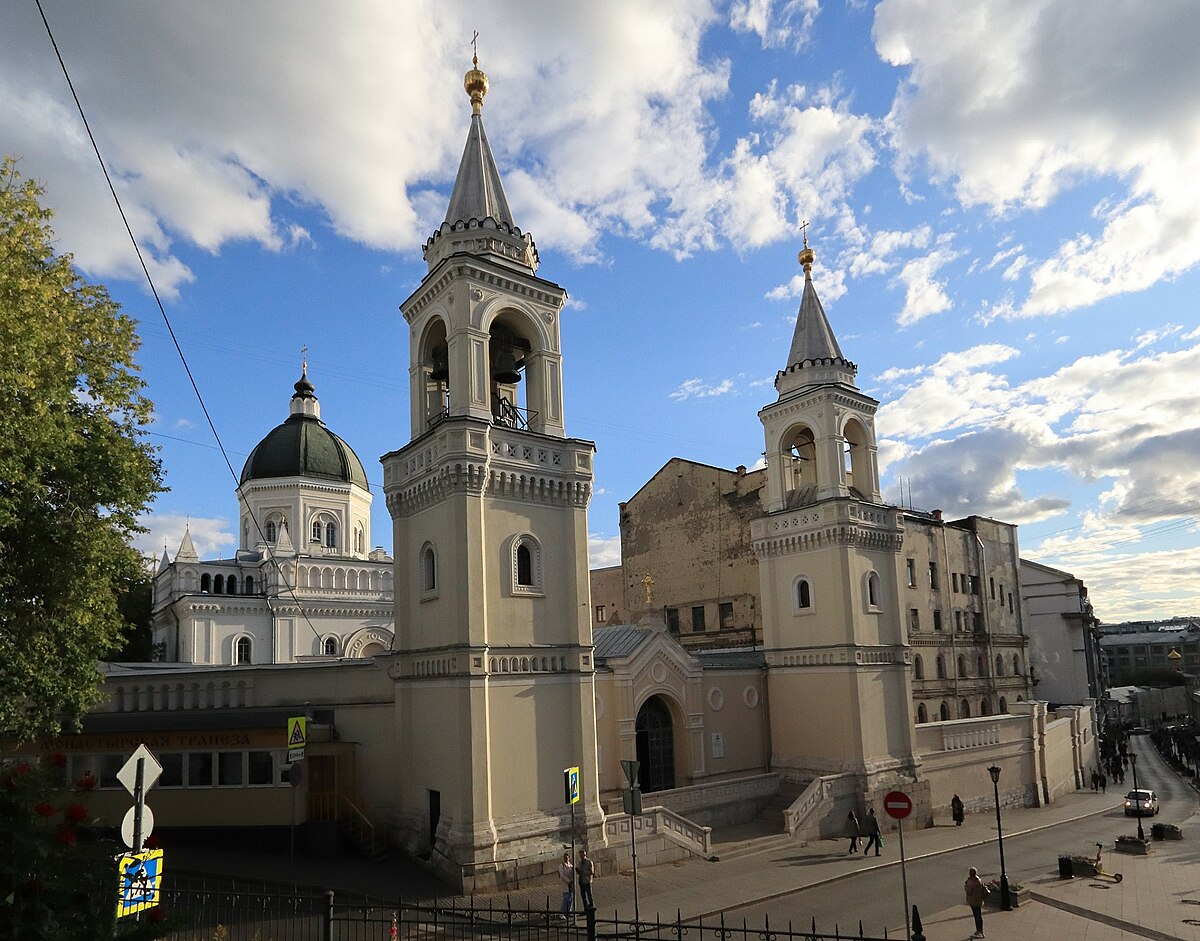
139,880
297,730
571,783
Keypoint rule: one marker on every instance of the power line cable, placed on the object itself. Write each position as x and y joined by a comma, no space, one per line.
167,320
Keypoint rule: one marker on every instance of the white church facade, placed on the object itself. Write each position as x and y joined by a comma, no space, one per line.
448,688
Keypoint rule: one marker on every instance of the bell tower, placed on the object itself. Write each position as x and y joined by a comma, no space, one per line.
829,556
493,650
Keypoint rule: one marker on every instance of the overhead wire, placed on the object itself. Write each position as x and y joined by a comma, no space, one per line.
288,588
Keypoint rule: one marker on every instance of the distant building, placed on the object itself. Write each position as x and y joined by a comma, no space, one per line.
1177,648
1064,634
608,596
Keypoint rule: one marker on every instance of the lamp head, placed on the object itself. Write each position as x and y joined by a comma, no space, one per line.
994,771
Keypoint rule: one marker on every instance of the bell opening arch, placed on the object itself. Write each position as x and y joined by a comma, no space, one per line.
525,391
796,458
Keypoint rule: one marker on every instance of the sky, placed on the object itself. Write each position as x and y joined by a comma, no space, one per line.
1004,202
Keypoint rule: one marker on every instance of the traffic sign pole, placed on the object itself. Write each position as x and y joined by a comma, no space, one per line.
139,801
904,879
898,806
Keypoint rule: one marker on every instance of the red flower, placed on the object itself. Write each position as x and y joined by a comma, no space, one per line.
152,842
43,809
75,813
86,783
156,915
66,836
58,759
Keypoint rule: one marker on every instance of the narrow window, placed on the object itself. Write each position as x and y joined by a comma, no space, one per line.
206,583
1016,665
933,576
985,708
231,585
1010,604
922,715
918,667
954,581
981,666
1003,706
330,536
978,619
524,566
249,584
271,531
219,585
873,590
673,620
243,650
316,533
944,712
725,615
698,619
999,665
941,667
975,585
937,619
958,621
964,710
331,646
600,614
914,619
992,587
910,572
962,667
803,594
429,569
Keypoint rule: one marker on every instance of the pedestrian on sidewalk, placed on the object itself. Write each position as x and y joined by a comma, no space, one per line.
956,810
871,824
566,874
975,892
1095,780
586,870
852,830
1103,782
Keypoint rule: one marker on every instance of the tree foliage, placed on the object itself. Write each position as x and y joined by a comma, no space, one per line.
75,470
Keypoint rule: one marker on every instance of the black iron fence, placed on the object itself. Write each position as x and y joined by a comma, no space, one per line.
232,915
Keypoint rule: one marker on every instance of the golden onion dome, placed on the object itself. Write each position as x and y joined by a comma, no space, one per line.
476,84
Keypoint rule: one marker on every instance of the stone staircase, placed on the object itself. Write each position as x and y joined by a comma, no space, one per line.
764,833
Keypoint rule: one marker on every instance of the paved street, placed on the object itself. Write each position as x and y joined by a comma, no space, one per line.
800,882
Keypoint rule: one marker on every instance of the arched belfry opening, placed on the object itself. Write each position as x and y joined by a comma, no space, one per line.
509,356
656,745
800,466
856,460
435,368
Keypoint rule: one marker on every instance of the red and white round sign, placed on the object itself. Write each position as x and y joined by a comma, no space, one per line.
897,804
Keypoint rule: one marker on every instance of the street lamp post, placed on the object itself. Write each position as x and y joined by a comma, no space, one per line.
1005,897
1133,764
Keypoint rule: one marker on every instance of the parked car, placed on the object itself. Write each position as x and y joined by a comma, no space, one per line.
1141,803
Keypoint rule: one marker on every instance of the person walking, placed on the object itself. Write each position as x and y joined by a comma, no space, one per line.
586,870
1095,780
975,892
871,824
566,874
956,810
852,830
1103,782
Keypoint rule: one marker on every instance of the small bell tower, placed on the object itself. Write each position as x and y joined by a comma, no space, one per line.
828,550
493,651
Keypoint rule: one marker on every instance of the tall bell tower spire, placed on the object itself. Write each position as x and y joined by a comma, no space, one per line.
489,512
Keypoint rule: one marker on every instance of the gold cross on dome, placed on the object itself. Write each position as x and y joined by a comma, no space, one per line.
804,232
475,46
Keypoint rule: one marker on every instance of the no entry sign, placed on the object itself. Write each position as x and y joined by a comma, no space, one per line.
897,804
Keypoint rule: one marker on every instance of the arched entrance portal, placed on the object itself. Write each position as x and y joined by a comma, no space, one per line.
655,745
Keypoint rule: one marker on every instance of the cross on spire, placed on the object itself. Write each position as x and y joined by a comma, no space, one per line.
475,46
804,232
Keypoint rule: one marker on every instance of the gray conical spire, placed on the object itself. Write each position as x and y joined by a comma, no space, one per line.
187,550
814,347
478,192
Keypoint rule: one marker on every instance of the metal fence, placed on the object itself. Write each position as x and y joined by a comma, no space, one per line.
233,915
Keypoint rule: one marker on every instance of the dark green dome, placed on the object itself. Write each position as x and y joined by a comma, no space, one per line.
303,447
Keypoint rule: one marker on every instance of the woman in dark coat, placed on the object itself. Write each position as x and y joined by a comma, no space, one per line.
956,810
852,831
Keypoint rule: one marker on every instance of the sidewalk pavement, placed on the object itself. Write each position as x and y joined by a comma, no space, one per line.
1151,902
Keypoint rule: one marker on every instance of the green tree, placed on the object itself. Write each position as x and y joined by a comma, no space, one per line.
75,471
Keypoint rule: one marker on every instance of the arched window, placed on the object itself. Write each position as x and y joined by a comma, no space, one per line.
206,583
1003,706
981,665
1016,665
922,715
242,650
964,710
219,585
316,532
359,540
429,569
526,565
944,711
999,665
962,666
985,708
330,536
231,585
249,584
873,592
941,667
331,646
918,667
271,531
803,593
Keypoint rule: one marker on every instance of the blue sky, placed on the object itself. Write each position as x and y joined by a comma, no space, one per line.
1004,201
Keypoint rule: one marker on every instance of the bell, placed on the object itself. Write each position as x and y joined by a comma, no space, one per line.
504,369
441,366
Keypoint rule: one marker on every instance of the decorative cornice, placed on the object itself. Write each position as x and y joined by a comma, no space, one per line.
465,267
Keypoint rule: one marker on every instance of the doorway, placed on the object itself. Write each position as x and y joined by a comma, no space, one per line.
656,745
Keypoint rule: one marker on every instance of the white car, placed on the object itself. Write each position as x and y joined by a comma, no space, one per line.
1141,803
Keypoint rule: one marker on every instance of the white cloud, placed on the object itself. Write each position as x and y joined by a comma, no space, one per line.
923,294
830,284
603,551
211,537
976,107
777,22
696,389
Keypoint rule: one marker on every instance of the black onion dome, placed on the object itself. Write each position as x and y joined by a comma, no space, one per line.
304,447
